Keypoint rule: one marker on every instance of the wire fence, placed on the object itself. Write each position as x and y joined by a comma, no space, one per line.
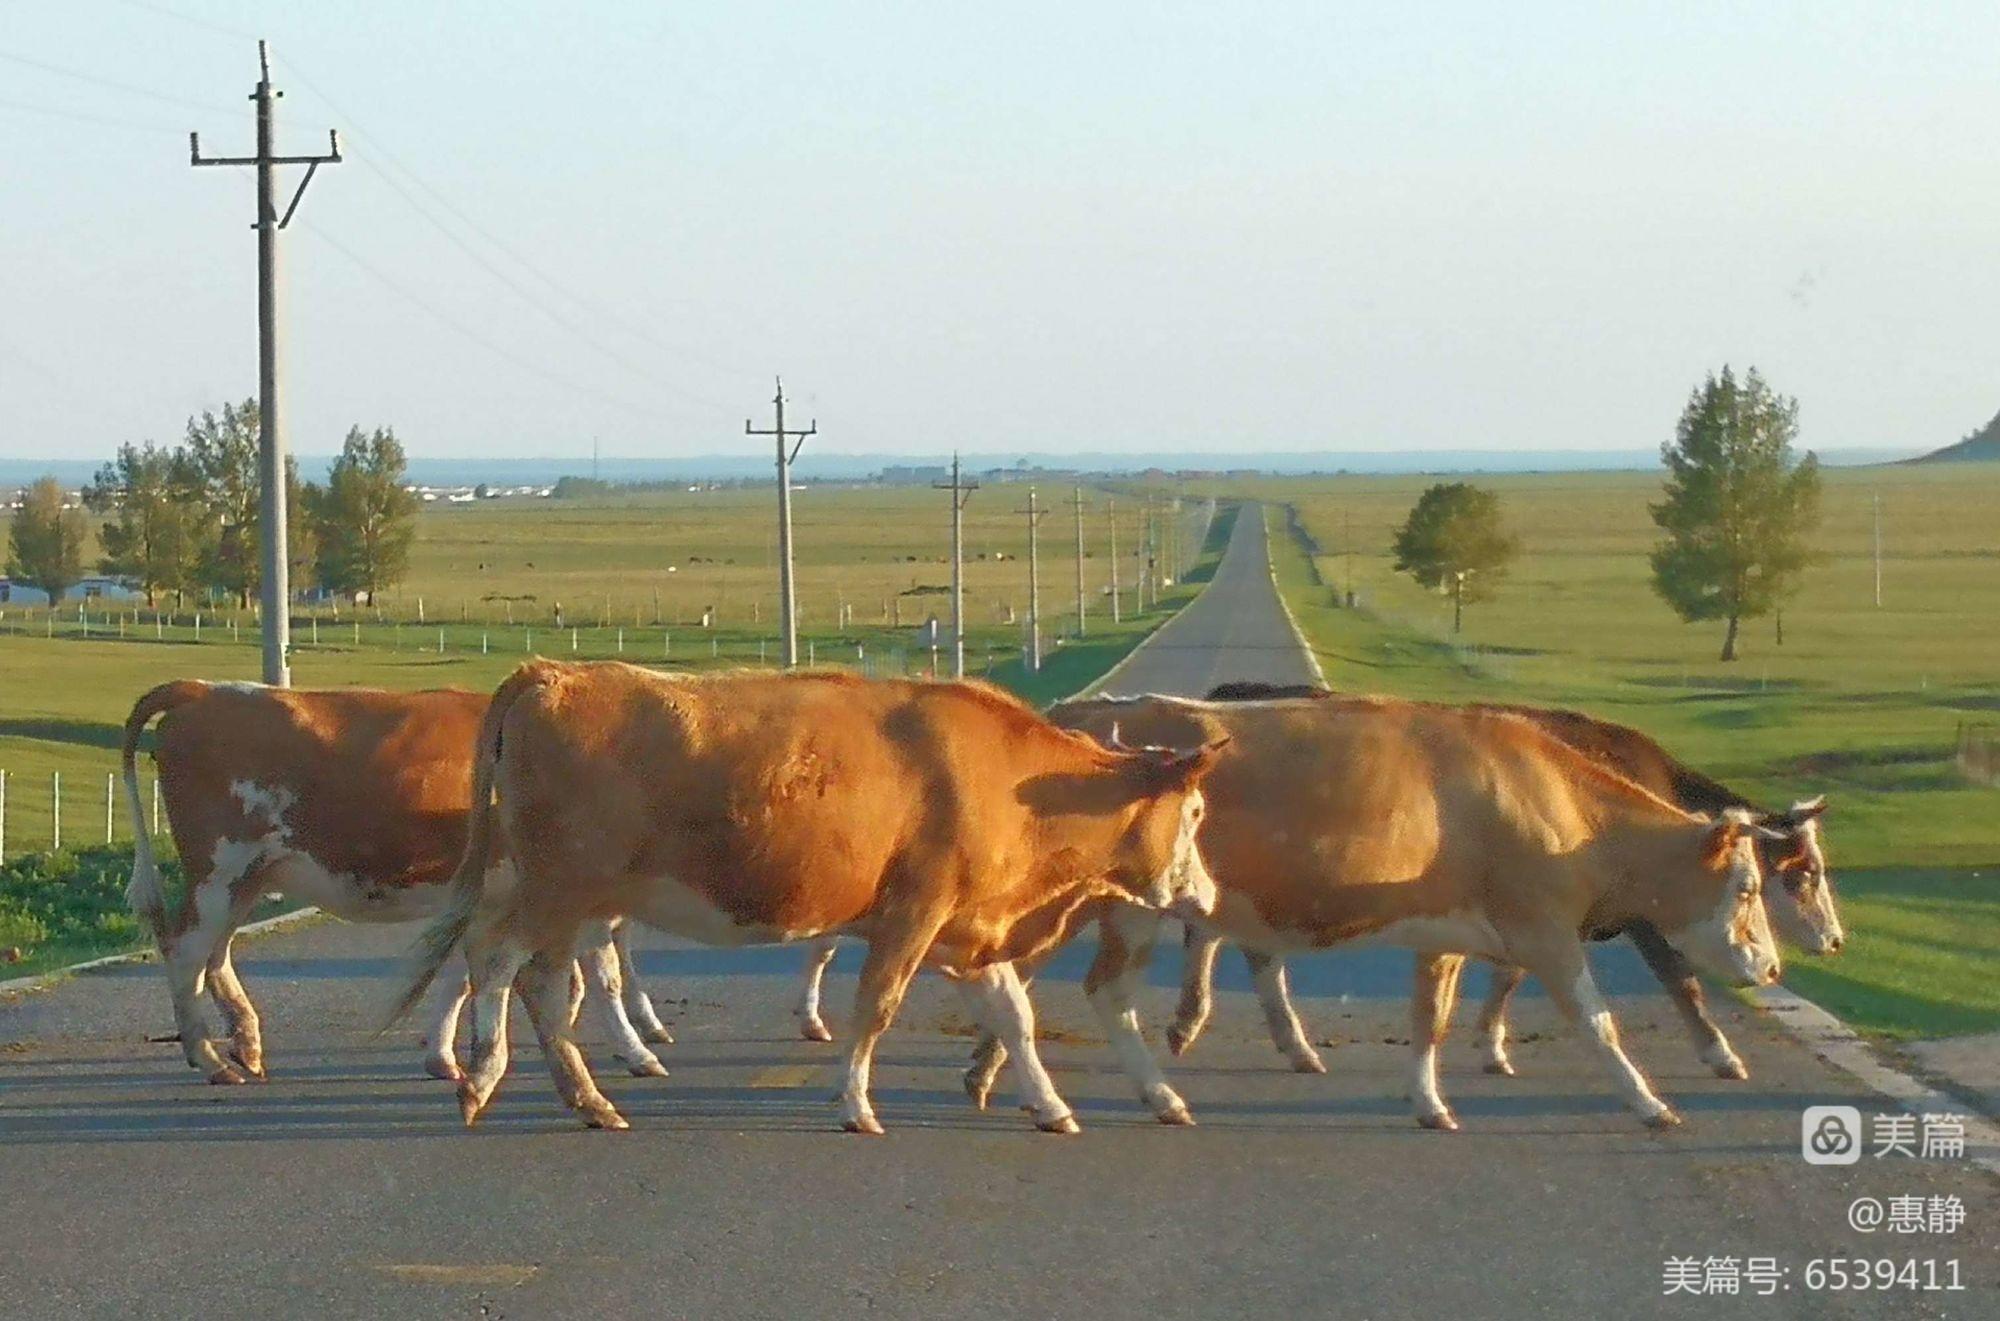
46,812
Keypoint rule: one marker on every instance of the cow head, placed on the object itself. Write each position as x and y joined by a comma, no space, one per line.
1725,930
1801,890
1158,863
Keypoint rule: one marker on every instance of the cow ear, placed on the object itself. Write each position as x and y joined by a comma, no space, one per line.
1187,768
1721,840
1801,813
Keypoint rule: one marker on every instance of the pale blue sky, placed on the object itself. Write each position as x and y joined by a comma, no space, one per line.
1023,226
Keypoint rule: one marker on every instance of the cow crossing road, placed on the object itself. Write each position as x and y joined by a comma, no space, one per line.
347,1186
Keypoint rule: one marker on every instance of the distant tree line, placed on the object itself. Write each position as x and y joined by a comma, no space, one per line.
185,520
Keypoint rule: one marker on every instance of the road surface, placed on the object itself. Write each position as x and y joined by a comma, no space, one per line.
346,1187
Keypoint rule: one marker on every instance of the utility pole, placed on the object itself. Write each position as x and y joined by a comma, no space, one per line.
961,491
271,442
1077,500
1878,551
1034,514
1111,512
788,603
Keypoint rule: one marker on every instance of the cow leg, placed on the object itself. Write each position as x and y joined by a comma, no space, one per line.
989,1056
1001,1002
1507,979
1564,971
216,915
1684,989
605,974
894,955
638,1005
1430,1018
239,1016
1125,938
441,1041
1287,1034
1198,949
811,1026
544,983
491,968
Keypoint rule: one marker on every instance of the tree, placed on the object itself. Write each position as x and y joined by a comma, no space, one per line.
1455,541
45,542
219,478
151,533
364,518
1739,510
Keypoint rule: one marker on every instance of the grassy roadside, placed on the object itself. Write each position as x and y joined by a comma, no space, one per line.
1916,850
61,908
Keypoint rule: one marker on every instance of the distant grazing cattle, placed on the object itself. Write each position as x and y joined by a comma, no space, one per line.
942,823
1790,850
353,800
1448,831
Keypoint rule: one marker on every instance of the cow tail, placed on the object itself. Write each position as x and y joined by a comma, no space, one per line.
146,895
468,884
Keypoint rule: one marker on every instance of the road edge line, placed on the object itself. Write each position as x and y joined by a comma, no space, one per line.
1096,685
1833,1042
42,981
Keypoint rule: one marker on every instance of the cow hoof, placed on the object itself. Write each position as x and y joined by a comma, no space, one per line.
868,1124
1664,1120
1060,1124
604,1117
1179,1039
469,1105
1732,1069
444,1070
1501,1068
978,1086
1308,1064
252,1066
659,1036
813,1030
1176,1116
649,1067
227,1076
1441,1122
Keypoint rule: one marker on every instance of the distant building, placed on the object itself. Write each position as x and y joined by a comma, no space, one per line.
95,587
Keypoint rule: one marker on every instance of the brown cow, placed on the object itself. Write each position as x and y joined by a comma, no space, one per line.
945,823
1446,831
1801,902
353,800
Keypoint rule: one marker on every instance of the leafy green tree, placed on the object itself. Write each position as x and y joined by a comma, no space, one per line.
150,535
219,479
364,517
46,539
1455,541
1739,510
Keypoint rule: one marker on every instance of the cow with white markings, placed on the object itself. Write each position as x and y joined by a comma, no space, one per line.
350,800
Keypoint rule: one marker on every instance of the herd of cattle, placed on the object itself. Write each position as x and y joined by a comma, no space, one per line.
948,824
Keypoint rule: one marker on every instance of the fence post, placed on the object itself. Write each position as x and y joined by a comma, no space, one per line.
108,778
482,644
357,632
55,806
440,642
621,642
156,805
572,637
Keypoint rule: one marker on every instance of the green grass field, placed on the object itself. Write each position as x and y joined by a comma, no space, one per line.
1862,703
64,693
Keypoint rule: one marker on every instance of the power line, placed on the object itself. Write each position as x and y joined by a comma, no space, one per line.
112,84
526,364
83,117
559,286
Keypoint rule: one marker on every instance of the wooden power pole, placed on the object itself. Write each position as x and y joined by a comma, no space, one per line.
961,491
277,595
1077,500
788,601
1111,512
1034,513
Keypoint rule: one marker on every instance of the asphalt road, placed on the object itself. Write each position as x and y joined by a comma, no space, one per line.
345,1187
